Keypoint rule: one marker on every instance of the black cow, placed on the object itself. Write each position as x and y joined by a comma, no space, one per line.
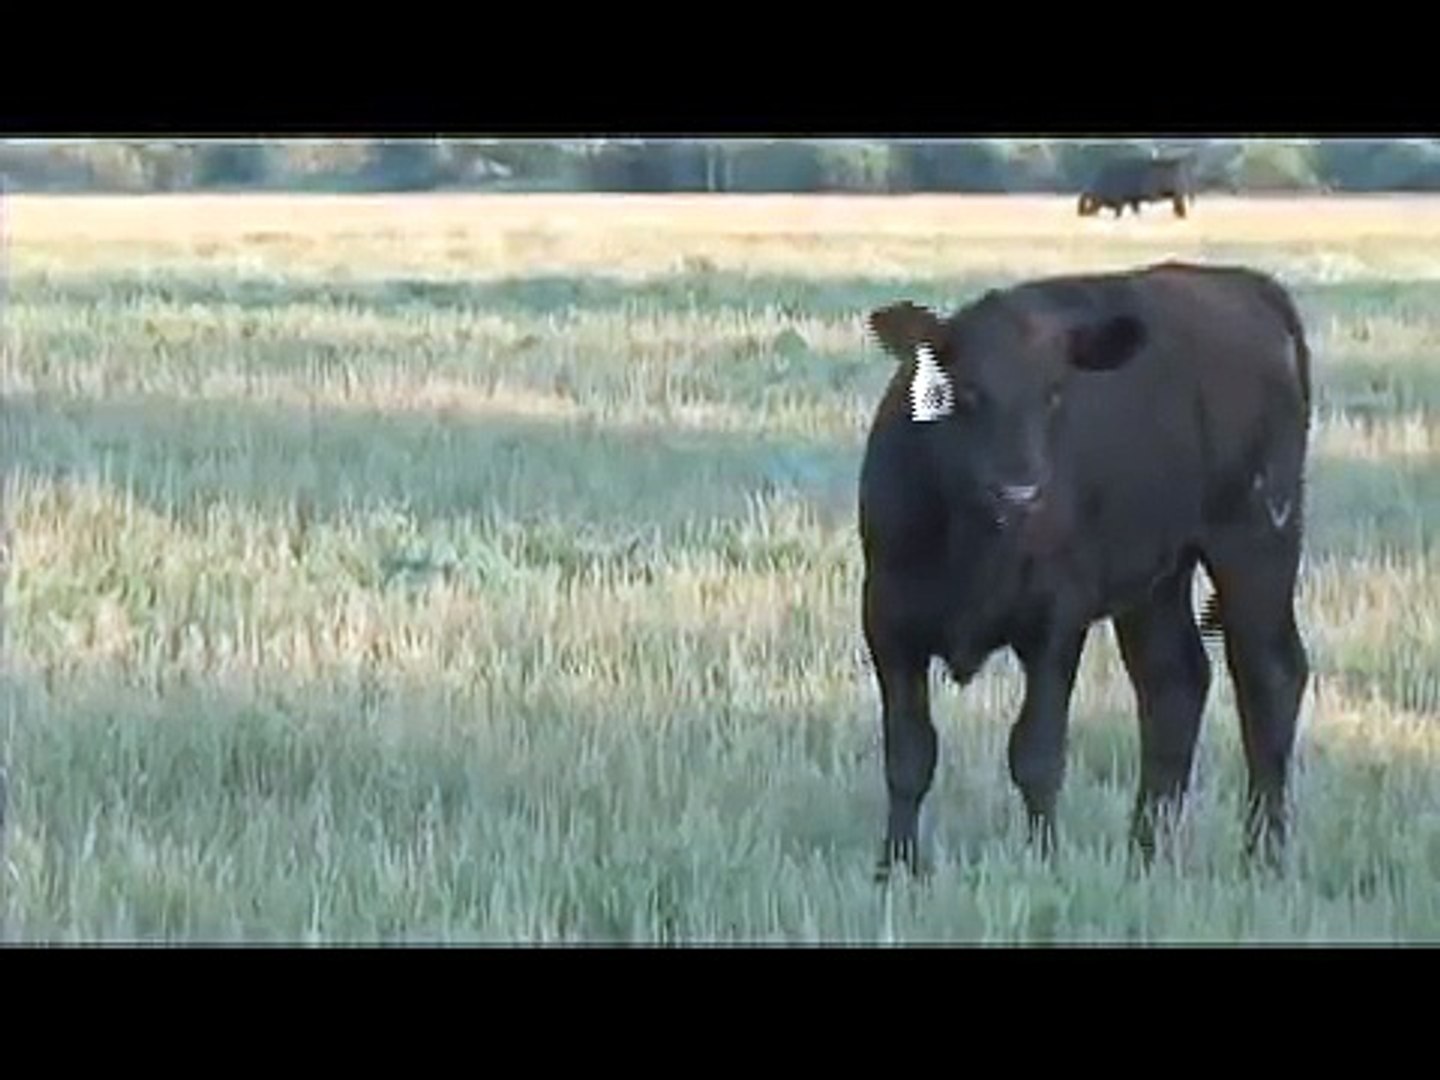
1066,451
1134,181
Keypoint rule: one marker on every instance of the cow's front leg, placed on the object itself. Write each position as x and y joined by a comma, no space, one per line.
902,672
1037,740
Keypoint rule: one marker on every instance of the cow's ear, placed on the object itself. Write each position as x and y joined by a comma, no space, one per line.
1107,344
902,328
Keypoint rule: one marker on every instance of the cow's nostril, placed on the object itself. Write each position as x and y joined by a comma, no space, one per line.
1019,494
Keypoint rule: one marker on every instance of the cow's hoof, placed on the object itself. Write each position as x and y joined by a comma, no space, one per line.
916,869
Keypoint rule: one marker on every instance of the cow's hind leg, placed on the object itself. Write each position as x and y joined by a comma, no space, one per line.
1166,661
1255,584
1037,740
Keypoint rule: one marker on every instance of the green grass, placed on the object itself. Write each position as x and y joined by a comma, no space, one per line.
417,608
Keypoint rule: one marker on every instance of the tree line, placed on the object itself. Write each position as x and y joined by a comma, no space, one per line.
701,165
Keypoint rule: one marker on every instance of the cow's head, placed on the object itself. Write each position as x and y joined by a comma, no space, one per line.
1088,205
988,387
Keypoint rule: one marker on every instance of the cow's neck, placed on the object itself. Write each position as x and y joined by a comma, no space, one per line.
990,571
983,559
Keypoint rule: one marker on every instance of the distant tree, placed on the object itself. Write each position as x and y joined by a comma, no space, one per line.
112,166
1030,165
780,166
541,165
170,166
952,166
224,164
36,166
404,165
638,165
717,167
1379,165
333,165
1272,165
855,166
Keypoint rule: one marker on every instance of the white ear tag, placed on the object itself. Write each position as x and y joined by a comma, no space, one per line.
931,396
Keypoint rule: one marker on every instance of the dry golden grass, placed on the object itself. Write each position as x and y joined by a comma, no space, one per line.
488,235
322,219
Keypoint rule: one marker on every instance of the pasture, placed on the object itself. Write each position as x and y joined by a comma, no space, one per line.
461,568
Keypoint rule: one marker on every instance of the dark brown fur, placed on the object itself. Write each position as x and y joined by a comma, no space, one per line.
1134,181
1163,415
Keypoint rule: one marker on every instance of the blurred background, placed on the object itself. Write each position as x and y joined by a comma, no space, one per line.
702,165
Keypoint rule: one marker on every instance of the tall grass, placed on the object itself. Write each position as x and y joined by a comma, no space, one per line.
484,569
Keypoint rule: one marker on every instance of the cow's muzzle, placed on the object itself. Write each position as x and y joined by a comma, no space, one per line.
1017,496
1013,503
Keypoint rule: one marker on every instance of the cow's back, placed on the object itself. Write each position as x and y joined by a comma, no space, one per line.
1118,180
1219,343
1141,178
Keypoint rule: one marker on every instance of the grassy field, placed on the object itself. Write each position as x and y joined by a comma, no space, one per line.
484,569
